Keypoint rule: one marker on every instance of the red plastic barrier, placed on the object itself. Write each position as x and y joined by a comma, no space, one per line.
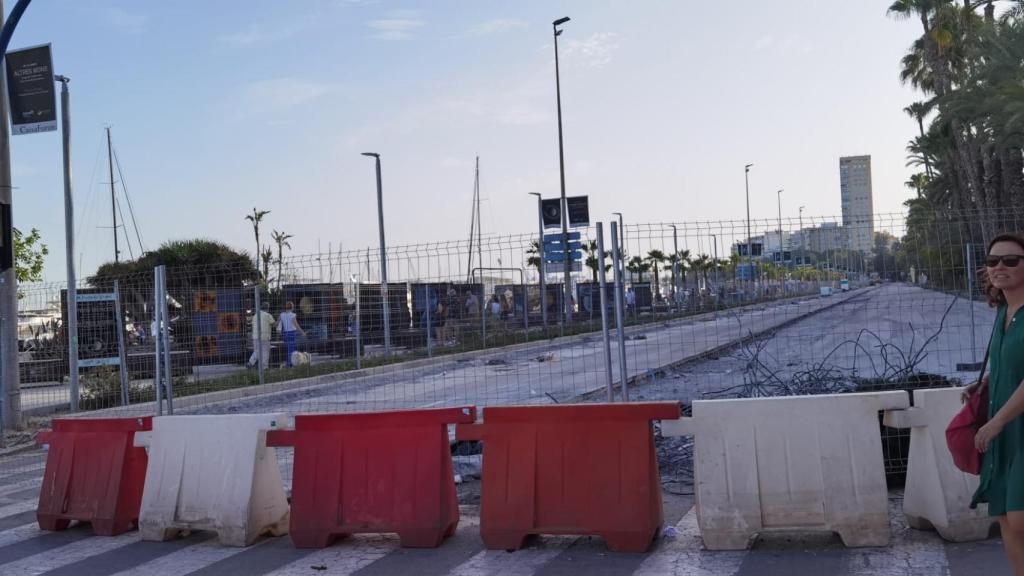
94,474
570,469
373,472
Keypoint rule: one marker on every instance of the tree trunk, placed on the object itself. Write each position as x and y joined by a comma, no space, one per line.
1012,161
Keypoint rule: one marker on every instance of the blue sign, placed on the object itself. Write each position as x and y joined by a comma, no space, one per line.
558,237
557,246
560,256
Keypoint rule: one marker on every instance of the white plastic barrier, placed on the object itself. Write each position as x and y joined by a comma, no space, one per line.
213,473
937,494
796,462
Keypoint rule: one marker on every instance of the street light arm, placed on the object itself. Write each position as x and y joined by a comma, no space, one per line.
11,23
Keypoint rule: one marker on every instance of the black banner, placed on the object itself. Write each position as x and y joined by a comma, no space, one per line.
551,212
31,91
579,210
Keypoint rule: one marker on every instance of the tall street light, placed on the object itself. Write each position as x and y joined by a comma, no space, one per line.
540,255
567,260
383,257
750,246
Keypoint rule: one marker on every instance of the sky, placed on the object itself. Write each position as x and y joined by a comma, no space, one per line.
219,107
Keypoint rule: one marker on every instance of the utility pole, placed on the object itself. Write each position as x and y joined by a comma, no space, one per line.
567,260
69,237
750,245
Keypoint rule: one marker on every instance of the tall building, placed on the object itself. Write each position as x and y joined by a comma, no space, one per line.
858,205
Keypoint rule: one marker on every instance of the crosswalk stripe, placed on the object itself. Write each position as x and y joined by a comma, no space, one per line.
354,553
19,533
186,560
909,551
18,508
523,562
65,555
683,555
343,558
20,486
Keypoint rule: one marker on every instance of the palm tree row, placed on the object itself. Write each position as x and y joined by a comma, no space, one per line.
265,254
969,65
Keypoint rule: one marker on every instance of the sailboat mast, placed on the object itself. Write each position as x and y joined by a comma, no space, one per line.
479,226
113,196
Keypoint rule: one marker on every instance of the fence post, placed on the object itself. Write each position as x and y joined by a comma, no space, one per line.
257,319
427,312
604,311
155,333
619,315
166,337
359,330
122,354
970,298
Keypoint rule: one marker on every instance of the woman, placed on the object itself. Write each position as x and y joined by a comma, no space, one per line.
288,326
1002,438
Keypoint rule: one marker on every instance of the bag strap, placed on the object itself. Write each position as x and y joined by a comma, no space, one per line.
984,363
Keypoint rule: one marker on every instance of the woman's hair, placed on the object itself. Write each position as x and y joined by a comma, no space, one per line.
992,294
289,306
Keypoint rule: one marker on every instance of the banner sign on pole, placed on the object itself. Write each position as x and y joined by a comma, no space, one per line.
31,91
578,210
98,327
551,212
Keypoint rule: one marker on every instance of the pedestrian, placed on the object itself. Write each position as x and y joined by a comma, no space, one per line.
441,319
261,337
495,307
630,299
472,305
1001,439
288,326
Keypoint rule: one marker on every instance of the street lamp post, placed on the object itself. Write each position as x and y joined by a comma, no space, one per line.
567,260
750,246
540,255
622,236
714,242
383,257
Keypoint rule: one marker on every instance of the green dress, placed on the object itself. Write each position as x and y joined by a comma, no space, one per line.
1002,469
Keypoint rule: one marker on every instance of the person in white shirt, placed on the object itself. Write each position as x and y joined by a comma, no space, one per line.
261,336
288,326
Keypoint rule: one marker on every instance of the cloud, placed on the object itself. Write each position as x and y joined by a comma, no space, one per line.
127,22
256,34
495,26
281,94
398,25
595,51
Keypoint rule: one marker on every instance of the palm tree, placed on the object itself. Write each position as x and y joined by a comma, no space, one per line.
590,248
255,218
918,111
701,265
656,257
281,239
535,259
267,256
637,266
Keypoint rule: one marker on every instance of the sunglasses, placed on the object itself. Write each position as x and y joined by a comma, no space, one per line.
1009,261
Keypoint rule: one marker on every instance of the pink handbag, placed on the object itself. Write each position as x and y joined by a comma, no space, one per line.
964,427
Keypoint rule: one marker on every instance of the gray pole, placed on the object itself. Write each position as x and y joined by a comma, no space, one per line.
567,261
69,242
122,353
604,311
801,225
540,254
165,335
619,313
383,257
714,242
782,259
10,393
157,343
675,268
258,344
970,298
750,249
359,330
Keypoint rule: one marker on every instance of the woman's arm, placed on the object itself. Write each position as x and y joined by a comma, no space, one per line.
298,327
1013,408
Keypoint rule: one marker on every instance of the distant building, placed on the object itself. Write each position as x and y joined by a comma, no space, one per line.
858,202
